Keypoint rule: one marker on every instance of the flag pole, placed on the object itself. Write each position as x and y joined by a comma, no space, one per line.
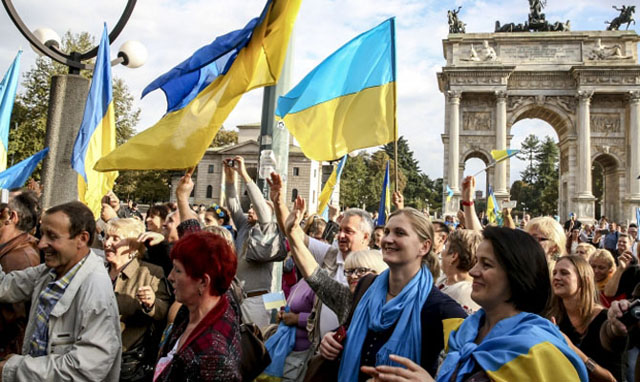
492,164
395,104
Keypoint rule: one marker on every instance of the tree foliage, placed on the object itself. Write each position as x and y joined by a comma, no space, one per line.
537,192
224,138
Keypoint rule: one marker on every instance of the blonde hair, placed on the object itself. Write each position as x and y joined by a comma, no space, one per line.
366,258
552,230
221,231
424,229
586,289
590,249
464,242
603,254
126,228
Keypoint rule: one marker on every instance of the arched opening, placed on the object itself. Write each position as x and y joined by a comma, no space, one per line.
534,173
209,191
474,161
605,178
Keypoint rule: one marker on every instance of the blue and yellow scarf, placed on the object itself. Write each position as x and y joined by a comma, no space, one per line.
374,313
525,347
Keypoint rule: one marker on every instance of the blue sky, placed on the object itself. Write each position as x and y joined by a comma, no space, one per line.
173,30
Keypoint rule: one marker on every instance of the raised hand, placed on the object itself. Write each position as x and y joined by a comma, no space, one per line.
275,188
468,188
398,200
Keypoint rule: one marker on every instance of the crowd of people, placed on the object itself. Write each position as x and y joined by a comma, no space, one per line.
182,292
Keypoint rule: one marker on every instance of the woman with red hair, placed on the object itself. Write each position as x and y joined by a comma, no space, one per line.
204,343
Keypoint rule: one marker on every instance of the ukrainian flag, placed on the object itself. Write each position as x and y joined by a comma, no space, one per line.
348,101
8,88
16,176
327,190
499,155
385,199
524,347
204,89
97,135
493,212
449,193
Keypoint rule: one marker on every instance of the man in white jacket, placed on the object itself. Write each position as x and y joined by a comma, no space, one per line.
73,332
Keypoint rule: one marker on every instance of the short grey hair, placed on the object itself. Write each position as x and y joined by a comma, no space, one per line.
366,224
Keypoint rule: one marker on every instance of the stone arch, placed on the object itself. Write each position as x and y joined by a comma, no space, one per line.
609,202
558,119
477,152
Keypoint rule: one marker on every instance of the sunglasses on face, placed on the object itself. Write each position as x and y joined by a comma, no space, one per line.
359,272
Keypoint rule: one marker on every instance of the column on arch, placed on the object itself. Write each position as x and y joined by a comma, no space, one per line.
500,186
453,101
634,143
584,144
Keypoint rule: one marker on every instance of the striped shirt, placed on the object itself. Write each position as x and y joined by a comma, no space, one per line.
48,298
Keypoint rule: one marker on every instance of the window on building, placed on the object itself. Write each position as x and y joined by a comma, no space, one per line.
210,169
294,194
209,191
315,173
314,195
296,171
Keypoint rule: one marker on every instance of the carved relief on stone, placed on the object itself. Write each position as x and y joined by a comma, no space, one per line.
607,78
607,101
585,95
564,162
541,81
476,120
604,52
487,53
478,101
634,96
515,102
565,103
605,122
478,79
453,96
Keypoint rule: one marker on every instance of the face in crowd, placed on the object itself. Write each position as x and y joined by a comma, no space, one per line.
352,236
61,251
401,244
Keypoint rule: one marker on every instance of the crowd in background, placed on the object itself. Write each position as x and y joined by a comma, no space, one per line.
182,292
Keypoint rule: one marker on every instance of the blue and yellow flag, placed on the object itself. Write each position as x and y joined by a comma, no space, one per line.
494,215
16,175
204,89
8,88
449,193
385,199
97,135
327,190
499,155
348,101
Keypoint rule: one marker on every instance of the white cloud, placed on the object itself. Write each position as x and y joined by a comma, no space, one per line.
173,30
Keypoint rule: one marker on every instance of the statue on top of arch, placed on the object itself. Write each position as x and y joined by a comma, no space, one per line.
536,21
626,16
455,24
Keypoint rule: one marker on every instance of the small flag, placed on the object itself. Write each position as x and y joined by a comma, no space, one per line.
493,212
385,199
16,175
274,300
449,193
499,155
8,88
329,186
97,134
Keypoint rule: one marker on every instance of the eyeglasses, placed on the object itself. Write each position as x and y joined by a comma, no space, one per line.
359,272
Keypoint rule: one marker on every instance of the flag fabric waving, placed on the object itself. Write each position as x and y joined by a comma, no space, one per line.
385,199
499,155
97,134
347,102
203,90
493,211
638,215
8,88
16,175
449,193
327,190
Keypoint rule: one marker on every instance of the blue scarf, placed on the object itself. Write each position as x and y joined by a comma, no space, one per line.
279,345
512,337
372,313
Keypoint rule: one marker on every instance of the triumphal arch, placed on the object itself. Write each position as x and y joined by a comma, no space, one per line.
586,85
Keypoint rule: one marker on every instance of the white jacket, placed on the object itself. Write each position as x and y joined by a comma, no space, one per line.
84,327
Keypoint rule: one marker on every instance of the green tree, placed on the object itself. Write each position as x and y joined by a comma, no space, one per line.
528,150
224,137
355,183
420,189
547,176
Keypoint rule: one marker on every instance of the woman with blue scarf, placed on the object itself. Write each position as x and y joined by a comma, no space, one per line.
400,311
506,340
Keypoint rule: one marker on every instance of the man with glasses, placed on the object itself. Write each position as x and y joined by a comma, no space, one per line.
73,332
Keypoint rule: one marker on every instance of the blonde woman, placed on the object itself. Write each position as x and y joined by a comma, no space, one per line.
141,293
551,237
585,250
604,266
458,257
575,308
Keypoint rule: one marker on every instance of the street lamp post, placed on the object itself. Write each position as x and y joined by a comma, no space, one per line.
67,97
